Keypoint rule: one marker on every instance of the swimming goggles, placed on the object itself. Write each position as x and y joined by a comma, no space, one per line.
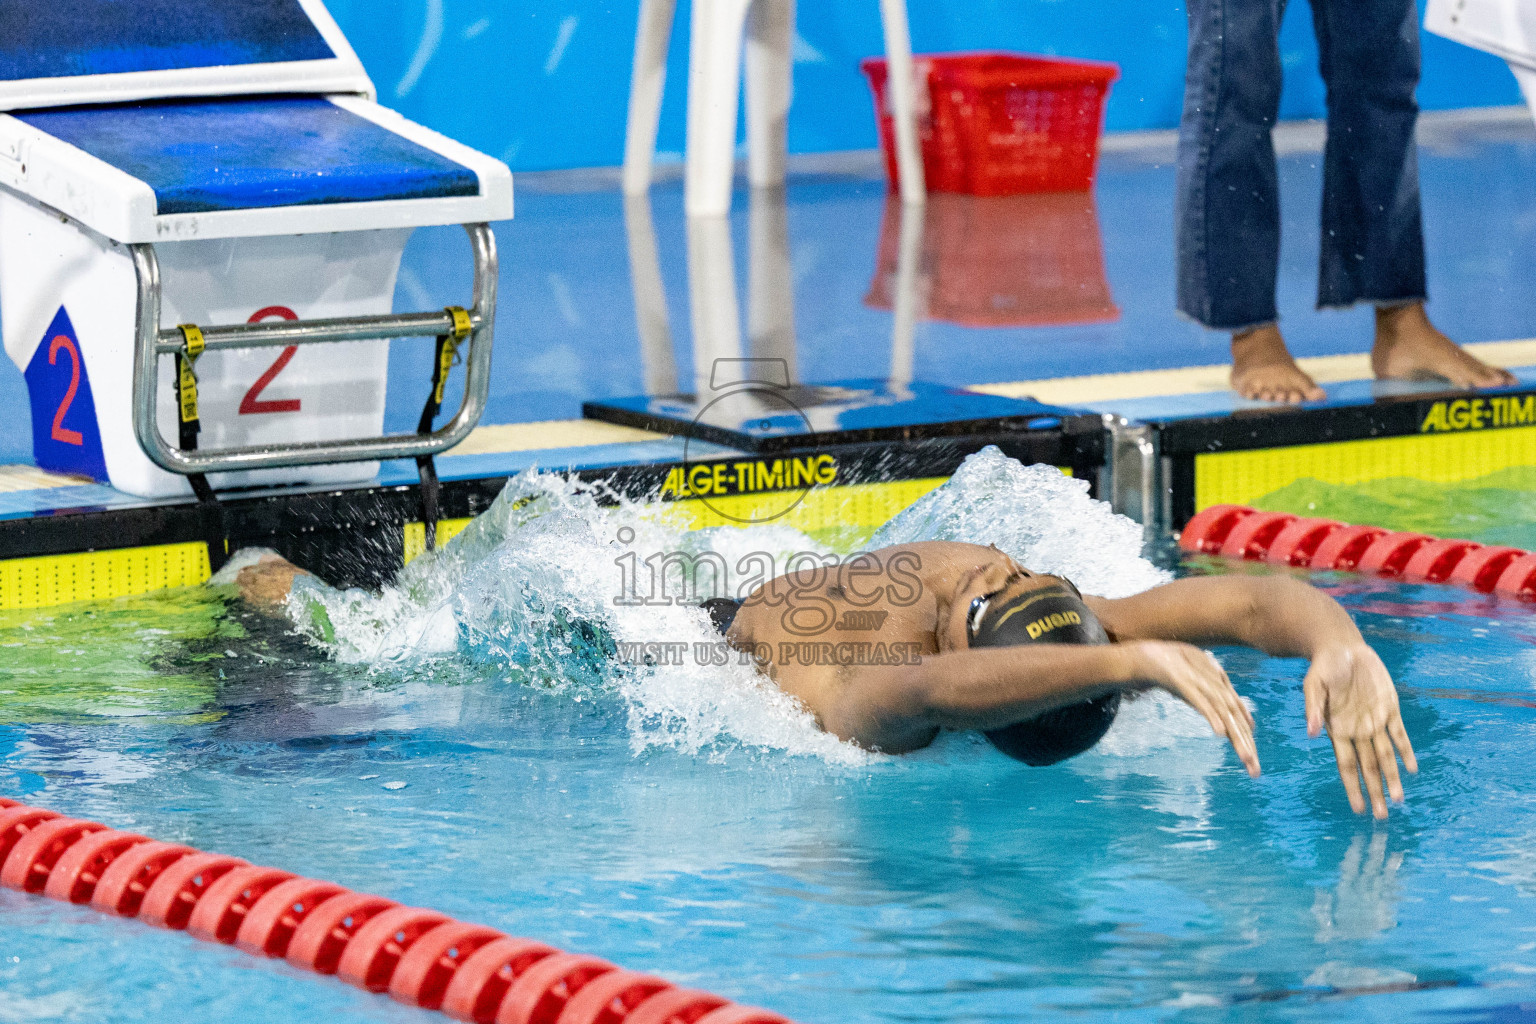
978,609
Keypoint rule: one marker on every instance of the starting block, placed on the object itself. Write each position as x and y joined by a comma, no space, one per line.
192,195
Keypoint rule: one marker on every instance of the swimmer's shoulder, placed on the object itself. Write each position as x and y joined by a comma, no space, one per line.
937,555
933,560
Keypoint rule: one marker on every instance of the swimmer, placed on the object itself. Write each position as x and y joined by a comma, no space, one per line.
896,645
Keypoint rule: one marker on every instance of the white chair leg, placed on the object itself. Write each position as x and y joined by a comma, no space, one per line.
770,85
902,90
770,280
1527,80
646,84
910,302
658,363
714,87
712,298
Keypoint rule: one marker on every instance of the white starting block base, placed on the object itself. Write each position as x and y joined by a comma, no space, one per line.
49,265
238,143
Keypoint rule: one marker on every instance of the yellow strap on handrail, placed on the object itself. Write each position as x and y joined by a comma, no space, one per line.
462,324
186,384
448,349
192,340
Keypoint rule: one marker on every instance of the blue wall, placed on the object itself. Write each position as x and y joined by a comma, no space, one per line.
544,83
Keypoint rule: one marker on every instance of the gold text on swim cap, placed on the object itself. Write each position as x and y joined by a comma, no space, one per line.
1055,620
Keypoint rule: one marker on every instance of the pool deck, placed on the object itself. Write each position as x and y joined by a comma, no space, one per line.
1063,300
507,449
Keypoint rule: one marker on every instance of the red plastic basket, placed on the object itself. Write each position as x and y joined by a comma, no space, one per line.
998,124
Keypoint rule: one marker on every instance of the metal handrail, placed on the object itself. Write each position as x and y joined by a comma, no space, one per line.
151,343
278,333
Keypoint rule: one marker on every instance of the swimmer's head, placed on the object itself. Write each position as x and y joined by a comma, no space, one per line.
1031,610
1043,610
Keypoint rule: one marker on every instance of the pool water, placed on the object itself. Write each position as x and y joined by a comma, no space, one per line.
1499,508
688,822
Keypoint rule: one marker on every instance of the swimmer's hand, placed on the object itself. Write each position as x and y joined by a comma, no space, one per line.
1196,678
268,583
1349,691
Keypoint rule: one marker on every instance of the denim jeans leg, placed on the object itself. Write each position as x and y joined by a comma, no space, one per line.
1372,229
1228,228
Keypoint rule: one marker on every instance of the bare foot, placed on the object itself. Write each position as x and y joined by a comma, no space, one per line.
268,583
1263,370
1408,347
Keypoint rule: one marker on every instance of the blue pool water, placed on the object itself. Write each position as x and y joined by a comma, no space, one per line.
689,824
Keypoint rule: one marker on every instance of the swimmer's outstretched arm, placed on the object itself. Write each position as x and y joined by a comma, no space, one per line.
1347,688
897,709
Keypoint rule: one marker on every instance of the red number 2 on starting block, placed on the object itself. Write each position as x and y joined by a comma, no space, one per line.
60,431
253,403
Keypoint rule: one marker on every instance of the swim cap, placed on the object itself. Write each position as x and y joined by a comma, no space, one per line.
722,612
1052,614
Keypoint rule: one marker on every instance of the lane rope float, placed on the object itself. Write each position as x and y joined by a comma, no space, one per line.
1237,531
418,956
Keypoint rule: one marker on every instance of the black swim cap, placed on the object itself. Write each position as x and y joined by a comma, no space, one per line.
1052,614
722,612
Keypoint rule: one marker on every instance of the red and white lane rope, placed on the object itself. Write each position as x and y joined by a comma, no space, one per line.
1236,531
420,957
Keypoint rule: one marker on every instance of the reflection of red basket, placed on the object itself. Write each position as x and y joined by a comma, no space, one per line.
996,124
1003,261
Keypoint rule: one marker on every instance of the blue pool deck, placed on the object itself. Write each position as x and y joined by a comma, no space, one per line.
570,331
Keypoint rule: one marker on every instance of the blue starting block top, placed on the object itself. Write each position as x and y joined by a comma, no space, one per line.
240,166
58,52
67,38
166,120
241,154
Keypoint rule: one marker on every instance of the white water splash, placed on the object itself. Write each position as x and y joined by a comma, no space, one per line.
530,589
1038,515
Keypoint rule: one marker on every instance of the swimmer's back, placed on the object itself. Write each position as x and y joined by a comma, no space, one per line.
897,597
